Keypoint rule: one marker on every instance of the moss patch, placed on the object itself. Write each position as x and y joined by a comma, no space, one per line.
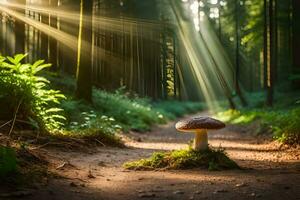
185,159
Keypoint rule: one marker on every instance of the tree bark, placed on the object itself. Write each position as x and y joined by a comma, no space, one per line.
52,41
20,29
296,35
237,55
84,60
270,85
45,37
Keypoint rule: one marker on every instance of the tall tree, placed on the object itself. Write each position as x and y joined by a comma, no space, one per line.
296,35
44,36
266,42
272,54
237,54
20,28
52,41
84,60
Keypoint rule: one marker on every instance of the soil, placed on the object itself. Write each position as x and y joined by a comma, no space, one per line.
270,170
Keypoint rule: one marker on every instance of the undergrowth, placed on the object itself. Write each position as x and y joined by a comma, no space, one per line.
284,124
27,97
129,111
185,159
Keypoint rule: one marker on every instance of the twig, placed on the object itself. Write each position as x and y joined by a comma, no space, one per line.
41,146
100,143
14,119
5,124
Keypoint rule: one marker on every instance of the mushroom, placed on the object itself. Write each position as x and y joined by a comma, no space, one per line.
199,125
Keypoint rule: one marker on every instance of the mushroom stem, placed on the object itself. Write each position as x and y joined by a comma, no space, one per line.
201,141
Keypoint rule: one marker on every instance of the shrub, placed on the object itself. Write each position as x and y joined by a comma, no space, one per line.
28,95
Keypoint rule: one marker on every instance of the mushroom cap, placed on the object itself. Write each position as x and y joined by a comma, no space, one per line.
199,123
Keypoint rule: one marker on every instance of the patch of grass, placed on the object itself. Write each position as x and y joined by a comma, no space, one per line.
284,124
185,159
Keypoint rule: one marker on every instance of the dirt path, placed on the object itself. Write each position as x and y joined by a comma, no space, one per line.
269,173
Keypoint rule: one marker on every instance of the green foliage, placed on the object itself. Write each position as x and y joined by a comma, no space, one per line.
8,161
175,109
284,124
22,88
135,114
185,159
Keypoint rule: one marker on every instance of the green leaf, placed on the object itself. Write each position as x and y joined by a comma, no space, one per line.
41,67
19,57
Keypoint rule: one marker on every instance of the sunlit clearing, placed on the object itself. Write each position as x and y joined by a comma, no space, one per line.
209,65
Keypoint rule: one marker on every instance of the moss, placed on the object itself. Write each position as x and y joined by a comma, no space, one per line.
185,159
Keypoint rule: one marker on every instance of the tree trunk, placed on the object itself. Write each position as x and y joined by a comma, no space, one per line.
84,60
52,41
270,86
45,37
296,35
266,40
20,29
237,55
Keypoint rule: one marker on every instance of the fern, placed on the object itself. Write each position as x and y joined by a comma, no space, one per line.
20,83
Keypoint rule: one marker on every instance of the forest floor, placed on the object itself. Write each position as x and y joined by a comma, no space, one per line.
270,171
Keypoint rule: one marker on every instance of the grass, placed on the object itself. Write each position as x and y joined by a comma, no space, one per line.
283,124
184,159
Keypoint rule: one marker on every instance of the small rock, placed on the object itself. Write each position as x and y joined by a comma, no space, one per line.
72,184
178,192
140,179
191,198
198,192
82,185
252,194
90,175
240,185
147,195
108,179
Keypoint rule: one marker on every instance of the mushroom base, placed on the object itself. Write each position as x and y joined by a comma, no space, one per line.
201,140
